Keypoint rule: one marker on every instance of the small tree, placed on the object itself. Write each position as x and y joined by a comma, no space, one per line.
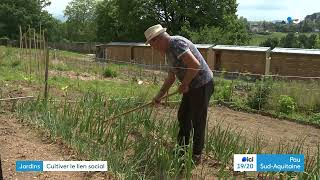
270,42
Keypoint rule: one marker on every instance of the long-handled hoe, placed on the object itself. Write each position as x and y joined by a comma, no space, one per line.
138,108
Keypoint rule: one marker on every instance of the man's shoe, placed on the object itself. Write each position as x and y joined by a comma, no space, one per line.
196,159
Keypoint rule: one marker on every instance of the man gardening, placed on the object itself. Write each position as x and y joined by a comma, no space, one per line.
187,64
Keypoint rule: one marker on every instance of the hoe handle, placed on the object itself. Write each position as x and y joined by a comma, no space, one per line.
140,107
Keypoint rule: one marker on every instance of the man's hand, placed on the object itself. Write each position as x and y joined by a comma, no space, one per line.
156,100
183,88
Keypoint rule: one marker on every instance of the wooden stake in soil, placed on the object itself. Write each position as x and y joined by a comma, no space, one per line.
30,54
17,98
21,43
40,43
25,52
46,75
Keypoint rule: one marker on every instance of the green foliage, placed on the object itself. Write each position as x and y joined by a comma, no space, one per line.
126,20
81,17
223,90
286,104
258,97
317,42
60,66
290,41
24,13
108,72
270,42
306,26
15,63
233,34
123,20
315,118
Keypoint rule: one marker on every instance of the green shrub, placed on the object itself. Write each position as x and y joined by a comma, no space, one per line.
223,91
15,63
287,104
60,66
258,96
316,107
315,118
108,72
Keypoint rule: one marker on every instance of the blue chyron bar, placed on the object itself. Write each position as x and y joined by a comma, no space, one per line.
269,162
29,166
280,163
40,166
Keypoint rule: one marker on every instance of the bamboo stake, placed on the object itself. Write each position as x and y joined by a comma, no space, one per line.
30,54
40,40
21,44
26,51
44,41
17,98
46,75
35,51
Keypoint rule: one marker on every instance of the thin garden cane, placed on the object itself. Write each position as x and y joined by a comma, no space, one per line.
138,108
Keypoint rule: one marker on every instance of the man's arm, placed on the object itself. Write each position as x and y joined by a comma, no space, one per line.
193,66
165,87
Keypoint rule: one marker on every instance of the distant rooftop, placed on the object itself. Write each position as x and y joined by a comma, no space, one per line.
125,44
241,48
143,44
204,45
296,51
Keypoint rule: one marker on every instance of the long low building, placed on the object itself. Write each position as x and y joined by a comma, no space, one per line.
142,53
241,59
295,62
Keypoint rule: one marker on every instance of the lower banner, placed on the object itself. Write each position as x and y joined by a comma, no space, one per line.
34,166
269,162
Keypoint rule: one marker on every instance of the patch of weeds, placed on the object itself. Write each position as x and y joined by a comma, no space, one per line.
287,104
15,63
108,72
61,67
224,90
315,118
258,97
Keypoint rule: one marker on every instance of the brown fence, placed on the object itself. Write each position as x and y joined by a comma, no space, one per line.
80,47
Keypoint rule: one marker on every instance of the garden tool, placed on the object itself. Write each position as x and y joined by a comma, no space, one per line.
140,107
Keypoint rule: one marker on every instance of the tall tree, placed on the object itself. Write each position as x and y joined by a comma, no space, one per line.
81,20
21,12
126,20
270,42
289,41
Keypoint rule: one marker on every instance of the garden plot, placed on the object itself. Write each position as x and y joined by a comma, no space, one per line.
141,144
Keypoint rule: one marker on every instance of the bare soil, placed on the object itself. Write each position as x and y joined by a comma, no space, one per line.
20,141
272,131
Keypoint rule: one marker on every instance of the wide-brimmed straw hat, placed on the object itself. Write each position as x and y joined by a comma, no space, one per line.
153,32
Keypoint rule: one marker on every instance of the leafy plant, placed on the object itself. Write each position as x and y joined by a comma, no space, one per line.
258,97
287,104
108,72
60,66
15,63
224,91
315,118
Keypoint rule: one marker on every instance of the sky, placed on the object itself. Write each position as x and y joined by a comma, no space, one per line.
253,10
